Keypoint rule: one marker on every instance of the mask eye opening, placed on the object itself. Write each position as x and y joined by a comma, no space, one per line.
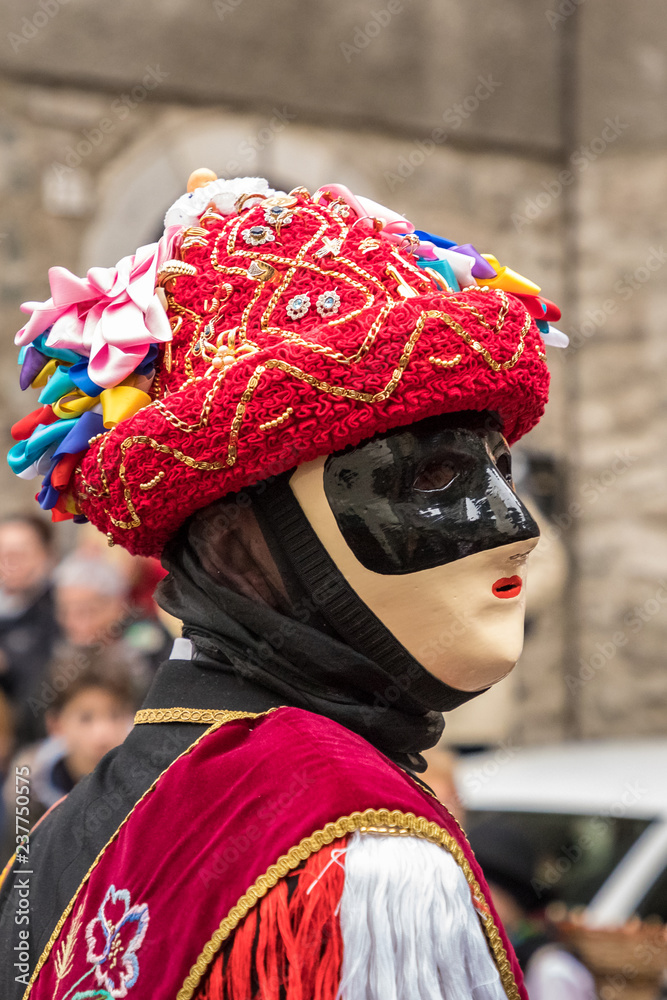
504,465
436,477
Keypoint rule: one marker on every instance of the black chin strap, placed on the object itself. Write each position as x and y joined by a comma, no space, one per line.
278,509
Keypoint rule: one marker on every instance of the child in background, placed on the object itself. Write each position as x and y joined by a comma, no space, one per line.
91,712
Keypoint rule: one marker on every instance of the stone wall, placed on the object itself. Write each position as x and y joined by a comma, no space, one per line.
531,131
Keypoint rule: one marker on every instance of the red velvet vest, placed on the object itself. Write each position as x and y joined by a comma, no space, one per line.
244,806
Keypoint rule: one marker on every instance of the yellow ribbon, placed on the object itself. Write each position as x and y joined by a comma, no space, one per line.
70,504
507,279
74,404
120,402
43,377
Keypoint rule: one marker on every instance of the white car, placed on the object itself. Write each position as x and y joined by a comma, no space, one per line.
596,813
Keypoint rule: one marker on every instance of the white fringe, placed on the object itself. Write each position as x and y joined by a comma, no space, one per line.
410,930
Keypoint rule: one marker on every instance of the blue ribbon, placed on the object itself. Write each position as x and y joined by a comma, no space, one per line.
443,268
79,375
48,495
61,353
58,385
148,363
24,453
439,241
87,426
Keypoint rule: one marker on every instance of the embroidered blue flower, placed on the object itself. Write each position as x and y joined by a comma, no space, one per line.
114,937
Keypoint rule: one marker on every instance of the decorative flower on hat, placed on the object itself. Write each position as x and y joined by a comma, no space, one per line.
111,316
114,936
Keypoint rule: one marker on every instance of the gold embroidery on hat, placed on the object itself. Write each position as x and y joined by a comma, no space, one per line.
497,366
277,421
235,344
154,481
446,363
195,236
188,460
481,319
293,265
326,387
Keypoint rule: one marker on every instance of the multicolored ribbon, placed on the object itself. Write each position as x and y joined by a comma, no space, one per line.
84,347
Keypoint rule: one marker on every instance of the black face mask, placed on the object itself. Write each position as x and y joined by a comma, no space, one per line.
289,622
426,495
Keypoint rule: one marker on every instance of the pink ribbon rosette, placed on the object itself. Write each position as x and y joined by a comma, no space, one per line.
111,316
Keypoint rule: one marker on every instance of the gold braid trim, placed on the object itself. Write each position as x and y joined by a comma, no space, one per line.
129,442
147,716
496,366
326,387
370,821
68,909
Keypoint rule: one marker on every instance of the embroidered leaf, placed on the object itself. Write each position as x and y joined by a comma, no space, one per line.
65,955
93,995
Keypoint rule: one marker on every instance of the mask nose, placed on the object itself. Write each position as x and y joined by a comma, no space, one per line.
512,518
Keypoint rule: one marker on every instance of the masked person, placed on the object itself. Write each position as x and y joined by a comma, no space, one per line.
309,420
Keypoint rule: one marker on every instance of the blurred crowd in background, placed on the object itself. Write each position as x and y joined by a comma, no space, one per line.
80,640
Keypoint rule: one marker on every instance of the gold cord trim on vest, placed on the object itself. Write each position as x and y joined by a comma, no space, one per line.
371,820
204,716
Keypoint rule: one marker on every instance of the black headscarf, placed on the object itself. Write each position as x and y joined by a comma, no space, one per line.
259,596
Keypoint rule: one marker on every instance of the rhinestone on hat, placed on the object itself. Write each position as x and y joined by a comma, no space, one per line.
298,306
328,303
256,235
278,215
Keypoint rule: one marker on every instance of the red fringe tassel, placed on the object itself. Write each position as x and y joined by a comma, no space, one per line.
288,947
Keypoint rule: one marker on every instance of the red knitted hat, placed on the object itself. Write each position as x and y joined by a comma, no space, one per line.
300,326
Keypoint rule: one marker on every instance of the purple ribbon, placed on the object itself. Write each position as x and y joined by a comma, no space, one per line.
481,268
33,362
